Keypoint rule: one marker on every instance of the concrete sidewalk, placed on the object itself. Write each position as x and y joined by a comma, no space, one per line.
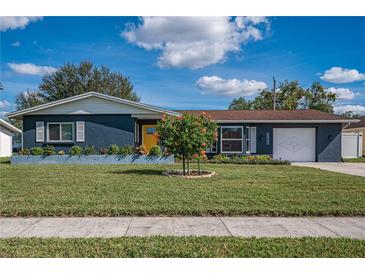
86,227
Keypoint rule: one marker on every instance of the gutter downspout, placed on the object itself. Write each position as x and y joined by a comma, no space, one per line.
348,123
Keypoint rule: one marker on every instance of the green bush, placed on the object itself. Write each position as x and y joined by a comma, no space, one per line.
155,151
221,158
89,150
37,151
75,150
247,160
49,150
126,150
23,151
113,149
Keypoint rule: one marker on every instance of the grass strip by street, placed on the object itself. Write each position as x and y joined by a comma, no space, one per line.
182,247
355,160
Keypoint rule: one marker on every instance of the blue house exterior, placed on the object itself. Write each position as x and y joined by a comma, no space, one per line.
95,119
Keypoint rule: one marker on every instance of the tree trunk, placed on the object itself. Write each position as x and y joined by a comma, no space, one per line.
199,166
188,163
183,164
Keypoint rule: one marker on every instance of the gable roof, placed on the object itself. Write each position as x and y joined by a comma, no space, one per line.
360,124
18,114
270,116
9,126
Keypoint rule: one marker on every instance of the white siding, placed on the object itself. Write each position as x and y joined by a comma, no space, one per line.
5,142
94,105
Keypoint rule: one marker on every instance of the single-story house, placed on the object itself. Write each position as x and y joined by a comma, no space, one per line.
7,131
357,131
95,119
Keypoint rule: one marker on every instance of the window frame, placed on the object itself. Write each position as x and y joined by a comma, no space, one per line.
61,141
235,139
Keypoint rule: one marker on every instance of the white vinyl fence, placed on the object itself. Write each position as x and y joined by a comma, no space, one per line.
351,144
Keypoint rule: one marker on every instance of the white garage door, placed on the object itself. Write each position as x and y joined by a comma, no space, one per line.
295,144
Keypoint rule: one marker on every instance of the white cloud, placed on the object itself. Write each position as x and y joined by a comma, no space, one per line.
193,42
229,87
4,104
342,93
342,75
358,109
14,22
16,44
242,21
31,69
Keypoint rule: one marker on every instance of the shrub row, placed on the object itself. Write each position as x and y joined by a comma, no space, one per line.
245,159
91,150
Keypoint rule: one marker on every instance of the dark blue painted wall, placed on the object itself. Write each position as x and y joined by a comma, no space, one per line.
100,130
103,130
328,139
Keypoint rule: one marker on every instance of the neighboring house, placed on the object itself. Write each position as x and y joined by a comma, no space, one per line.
95,119
357,130
6,138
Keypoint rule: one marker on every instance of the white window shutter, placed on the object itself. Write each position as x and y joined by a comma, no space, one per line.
253,139
39,135
80,131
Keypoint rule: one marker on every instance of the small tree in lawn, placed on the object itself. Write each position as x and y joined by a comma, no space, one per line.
187,135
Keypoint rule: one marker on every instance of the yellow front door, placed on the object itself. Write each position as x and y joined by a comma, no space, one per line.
149,138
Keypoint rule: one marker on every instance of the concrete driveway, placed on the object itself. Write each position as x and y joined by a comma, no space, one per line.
346,168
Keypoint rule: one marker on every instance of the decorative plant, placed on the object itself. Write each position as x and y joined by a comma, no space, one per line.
142,150
61,152
125,150
155,151
113,149
24,151
75,150
187,135
49,150
103,151
89,150
37,151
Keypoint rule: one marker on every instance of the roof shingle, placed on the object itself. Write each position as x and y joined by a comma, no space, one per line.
269,115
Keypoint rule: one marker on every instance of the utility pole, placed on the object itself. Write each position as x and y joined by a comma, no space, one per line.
274,94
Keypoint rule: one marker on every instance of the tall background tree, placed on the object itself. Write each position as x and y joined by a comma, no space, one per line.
71,79
240,103
290,95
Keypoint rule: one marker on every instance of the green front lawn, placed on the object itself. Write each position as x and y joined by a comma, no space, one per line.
183,247
4,160
114,190
355,160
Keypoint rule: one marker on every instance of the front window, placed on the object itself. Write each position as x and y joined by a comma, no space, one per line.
231,139
60,132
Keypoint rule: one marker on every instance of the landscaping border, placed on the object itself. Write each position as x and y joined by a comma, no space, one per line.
91,159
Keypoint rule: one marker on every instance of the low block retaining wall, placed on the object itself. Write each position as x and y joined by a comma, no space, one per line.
90,159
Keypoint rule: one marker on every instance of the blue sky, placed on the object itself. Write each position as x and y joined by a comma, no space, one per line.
191,63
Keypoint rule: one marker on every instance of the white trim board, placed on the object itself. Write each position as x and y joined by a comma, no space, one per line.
9,126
